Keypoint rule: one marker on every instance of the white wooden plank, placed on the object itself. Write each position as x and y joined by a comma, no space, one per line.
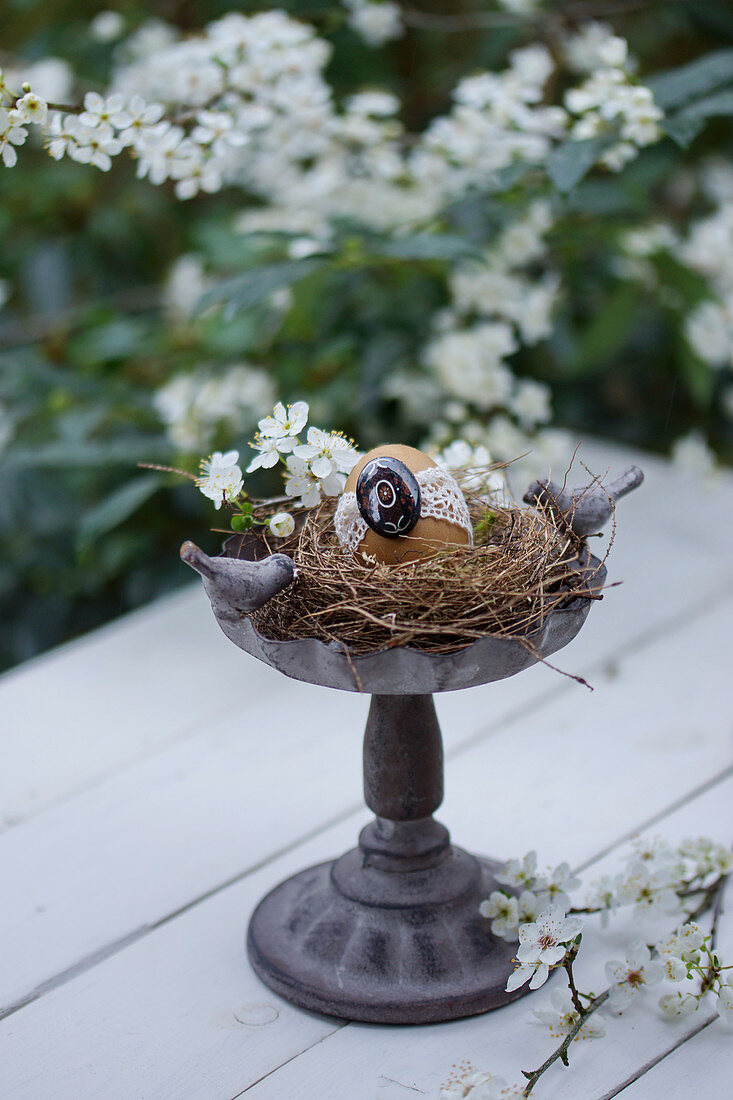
160,1020
699,1067
379,1062
82,712
73,717
129,852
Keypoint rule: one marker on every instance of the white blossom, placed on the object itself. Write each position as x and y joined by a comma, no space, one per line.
725,1003
102,112
503,912
140,116
468,1083
520,7
217,129
563,1017
595,46
693,457
221,478
302,483
542,945
285,424
519,872
92,144
608,102
374,102
470,363
281,525
472,464
709,332
678,1004
31,108
649,887
530,402
376,21
554,886
636,972
107,26
327,453
7,427
268,454
184,285
683,945
195,405
11,136
708,856
603,896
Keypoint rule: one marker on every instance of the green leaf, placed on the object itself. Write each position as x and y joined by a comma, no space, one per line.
699,379
250,288
688,82
607,333
570,162
427,246
118,507
687,123
119,452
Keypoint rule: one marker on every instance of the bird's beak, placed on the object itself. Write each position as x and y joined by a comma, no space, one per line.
197,559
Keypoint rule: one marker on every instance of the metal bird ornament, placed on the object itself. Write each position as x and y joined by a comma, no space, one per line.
586,510
235,585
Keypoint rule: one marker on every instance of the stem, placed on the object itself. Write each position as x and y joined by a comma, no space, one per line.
167,470
709,978
562,1051
710,894
568,964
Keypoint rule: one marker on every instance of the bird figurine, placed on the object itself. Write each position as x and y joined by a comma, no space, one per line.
235,585
585,510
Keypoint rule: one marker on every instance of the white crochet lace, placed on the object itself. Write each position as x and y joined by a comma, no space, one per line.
440,498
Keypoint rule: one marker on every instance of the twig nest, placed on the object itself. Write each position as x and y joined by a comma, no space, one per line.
399,506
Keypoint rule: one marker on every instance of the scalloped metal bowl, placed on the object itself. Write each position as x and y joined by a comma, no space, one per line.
402,669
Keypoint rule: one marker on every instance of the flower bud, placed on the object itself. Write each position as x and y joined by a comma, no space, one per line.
282,524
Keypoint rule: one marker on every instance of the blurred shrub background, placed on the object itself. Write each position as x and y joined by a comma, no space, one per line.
106,359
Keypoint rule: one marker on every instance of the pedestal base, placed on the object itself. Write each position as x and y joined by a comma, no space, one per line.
352,939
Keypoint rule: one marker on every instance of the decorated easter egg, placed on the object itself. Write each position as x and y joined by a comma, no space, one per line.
388,496
410,508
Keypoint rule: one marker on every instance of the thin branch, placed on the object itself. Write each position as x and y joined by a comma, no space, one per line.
568,964
562,1051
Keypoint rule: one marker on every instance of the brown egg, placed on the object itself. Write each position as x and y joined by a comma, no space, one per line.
390,498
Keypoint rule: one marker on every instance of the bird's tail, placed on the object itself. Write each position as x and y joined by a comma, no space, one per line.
628,480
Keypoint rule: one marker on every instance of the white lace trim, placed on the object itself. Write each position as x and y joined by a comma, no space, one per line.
440,498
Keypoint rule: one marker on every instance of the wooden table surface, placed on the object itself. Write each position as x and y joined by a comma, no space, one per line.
156,781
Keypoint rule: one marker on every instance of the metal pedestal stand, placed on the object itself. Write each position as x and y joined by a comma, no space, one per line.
390,932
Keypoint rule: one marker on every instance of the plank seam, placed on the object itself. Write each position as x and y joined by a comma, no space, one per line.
655,1061
659,816
640,642
337,1028
103,953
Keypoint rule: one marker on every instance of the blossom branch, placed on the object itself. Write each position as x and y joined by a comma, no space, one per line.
561,1052
568,965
